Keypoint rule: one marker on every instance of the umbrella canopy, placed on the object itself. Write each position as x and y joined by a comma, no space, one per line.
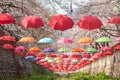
87,55
29,57
91,49
85,40
75,56
29,54
7,38
114,20
27,39
20,48
118,38
46,40
32,22
104,39
49,50
61,22
53,55
18,53
34,49
97,56
106,48
8,46
6,18
89,23
65,41
77,50
63,50
40,56
64,56
116,48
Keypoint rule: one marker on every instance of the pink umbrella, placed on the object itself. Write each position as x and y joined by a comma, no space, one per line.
65,41
20,48
105,48
118,38
18,53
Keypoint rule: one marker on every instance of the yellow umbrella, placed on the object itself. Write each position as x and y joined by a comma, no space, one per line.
27,39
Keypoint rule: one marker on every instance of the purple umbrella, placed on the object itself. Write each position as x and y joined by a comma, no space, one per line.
49,50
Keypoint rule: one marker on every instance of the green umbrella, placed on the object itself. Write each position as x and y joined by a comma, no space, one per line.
91,49
50,60
63,50
104,39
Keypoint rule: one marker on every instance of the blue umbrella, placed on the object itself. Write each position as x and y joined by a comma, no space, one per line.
46,40
30,57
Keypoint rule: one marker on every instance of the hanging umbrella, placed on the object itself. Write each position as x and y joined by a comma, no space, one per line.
118,38
20,48
114,20
7,38
40,56
8,47
104,39
75,56
85,40
27,39
106,48
46,40
64,56
97,56
34,49
77,50
108,53
63,50
87,55
116,48
61,22
29,57
49,50
6,18
29,54
89,23
91,50
53,55
32,22
18,53
65,41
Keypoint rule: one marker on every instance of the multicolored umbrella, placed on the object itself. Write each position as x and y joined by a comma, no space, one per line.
46,40
77,50
89,23
61,22
85,40
65,41
20,48
32,22
8,47
91,50
49,50
7,38
34,49
6,18
63,50
27,39
104,39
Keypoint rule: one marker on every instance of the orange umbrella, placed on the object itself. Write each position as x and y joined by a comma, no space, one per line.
77,50
85,40
27,39
34,49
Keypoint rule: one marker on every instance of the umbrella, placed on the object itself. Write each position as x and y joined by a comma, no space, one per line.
46,40
40,56
91,49
53,55
64,56
108,53
65,41
32,22
63,50
20,48
18,53
8,46
85,40
106,48
89,23
87,55
7,38
61,22
34,49
116,48
27,39
6,18
30,54
77,50
49,50
97,56
118,38
104,39
114,20
29,57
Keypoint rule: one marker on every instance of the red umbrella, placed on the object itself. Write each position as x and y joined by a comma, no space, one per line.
52,55
75,56
114,20
6,18
20,48
8,46
90,23
29,54
18,53
40,56
31,22
7,38
61,22
64,56
108,53
87,55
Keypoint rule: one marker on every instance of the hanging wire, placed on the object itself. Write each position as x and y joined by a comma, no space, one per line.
71,7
